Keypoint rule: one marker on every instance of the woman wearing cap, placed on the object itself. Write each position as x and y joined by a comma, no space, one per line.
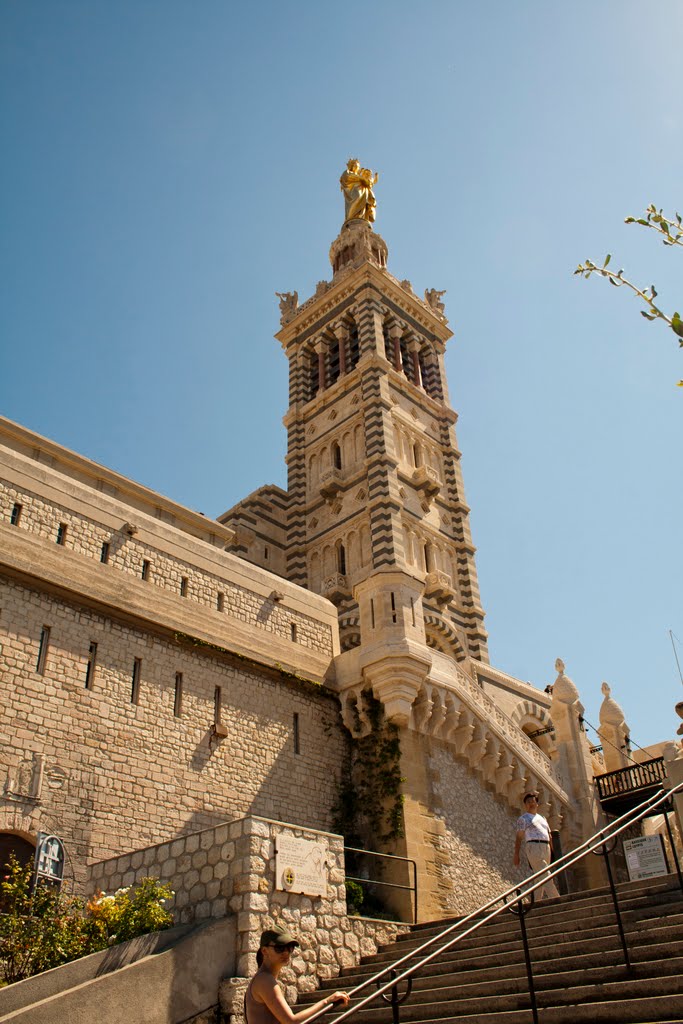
264,1002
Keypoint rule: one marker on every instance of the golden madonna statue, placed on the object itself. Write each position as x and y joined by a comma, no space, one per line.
359,199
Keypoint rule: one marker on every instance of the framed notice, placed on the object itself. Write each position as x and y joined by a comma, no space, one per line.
49,859
300,866
645,857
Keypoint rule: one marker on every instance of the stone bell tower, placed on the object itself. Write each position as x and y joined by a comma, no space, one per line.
374,518
377,520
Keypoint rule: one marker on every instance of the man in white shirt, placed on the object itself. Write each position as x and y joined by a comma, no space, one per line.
533,830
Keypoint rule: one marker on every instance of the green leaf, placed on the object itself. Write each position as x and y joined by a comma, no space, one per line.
643,222
647,316
613,281
608,257
677,325
654,291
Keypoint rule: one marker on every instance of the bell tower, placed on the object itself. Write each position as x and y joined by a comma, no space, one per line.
374,518
377,520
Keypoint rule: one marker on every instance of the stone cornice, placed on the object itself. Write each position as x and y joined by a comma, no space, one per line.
43,565
496,675
317,309
71,465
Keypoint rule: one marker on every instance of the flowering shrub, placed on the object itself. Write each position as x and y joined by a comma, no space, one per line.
126,914
42,928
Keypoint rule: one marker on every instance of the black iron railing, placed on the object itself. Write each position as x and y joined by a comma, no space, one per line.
631,779
378,881
519,899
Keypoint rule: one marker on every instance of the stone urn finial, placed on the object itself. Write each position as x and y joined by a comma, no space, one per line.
564,689
611,713
679,712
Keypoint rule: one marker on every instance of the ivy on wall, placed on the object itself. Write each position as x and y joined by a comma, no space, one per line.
369,806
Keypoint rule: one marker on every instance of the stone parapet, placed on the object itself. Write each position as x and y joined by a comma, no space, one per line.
230,869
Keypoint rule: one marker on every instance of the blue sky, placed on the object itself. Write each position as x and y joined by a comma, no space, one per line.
169,165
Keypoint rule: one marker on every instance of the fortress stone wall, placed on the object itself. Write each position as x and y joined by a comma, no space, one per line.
112,763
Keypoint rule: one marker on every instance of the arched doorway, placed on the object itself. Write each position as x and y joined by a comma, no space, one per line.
23,850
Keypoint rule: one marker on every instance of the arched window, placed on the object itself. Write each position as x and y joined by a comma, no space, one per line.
341,558
336,455
333,360
354,346
313,375
417,454
407,360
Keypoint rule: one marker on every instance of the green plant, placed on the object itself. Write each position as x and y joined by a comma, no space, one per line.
41,927
672,234
369,804
129,912
354,896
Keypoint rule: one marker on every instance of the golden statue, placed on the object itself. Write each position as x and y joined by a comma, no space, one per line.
359,200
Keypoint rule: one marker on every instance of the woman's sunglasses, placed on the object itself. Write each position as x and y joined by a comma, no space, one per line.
280,948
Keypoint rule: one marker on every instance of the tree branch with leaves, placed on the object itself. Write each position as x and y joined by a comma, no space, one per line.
672,234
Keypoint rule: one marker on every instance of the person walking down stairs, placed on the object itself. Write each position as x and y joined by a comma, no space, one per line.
533,830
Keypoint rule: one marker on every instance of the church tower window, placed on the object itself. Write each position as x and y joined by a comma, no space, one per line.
333,361
341,558
313,375
354,347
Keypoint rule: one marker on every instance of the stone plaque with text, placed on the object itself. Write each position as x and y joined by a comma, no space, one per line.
300,866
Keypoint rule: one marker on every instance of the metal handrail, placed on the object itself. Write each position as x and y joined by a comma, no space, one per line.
533,882
377,881
620,782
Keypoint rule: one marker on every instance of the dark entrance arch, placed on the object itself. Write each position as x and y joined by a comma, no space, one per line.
13,844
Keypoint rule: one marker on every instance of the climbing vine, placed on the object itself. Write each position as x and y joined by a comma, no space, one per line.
369,804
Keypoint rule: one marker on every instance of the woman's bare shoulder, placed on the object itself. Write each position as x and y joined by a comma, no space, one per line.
262,983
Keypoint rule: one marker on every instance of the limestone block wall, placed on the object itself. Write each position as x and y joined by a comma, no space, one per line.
230,868
149,555
109,770
473,850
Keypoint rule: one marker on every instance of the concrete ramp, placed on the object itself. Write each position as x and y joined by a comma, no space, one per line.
166,978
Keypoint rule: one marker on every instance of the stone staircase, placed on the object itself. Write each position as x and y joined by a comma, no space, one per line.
577,960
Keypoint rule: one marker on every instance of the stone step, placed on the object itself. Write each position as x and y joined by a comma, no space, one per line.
659,943
650,887
510,965
579,903
578,967
457,1003
636,931
556,973
512,978
647,1010
458,986
547,916
486,938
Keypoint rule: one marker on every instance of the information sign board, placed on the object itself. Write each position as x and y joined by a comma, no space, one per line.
300,866
645,857
49,862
